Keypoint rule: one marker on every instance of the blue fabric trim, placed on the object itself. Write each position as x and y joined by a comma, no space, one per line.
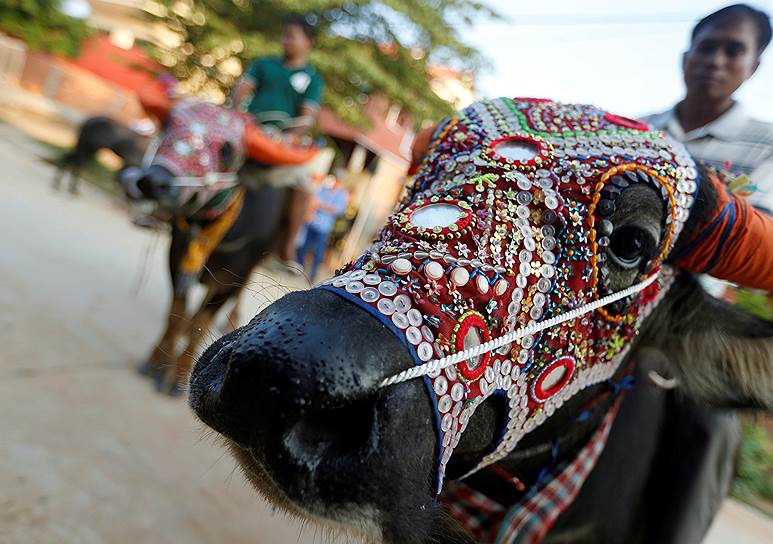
728,228
503,431
357,301
698,182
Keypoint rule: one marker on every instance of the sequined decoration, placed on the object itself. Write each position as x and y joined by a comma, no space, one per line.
191,147
527,242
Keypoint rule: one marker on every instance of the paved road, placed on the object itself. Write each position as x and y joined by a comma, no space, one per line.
88,452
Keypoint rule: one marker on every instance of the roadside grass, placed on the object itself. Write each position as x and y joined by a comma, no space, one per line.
754,479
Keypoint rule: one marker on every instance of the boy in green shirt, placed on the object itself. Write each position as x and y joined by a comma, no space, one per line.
286,92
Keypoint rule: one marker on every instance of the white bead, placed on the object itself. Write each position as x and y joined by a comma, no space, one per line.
424,351
402,303
413,335
460,276
484,386
446,423
441,385
481,282
386,306
433,270
387,288
457,392
400,320
354,287
500,287
401,266
414,317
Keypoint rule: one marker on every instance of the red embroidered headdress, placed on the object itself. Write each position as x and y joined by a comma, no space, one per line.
505,231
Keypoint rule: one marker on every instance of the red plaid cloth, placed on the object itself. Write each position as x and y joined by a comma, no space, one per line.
528,521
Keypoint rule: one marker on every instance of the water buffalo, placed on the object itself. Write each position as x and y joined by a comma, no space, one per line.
221,228
465,379
100,133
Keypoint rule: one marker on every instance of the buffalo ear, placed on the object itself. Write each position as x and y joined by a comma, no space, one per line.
721,355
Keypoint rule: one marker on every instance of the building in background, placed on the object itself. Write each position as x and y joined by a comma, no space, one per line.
374,162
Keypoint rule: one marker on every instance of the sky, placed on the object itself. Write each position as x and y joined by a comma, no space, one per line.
622,55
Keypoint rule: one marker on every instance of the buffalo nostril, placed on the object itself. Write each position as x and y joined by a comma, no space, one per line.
208,395
340,432
155,181
297,373
145,185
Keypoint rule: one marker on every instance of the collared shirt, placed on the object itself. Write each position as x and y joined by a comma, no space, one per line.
733,142
281,91
334,197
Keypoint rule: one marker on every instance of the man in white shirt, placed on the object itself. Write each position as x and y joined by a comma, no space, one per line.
725,51
699,445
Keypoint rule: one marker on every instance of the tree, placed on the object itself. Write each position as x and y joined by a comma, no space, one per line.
363,47
42,26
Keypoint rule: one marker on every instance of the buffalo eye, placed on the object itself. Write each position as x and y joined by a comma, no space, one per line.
630,247
227,154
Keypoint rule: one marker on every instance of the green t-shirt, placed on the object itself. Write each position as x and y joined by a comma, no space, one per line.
281,91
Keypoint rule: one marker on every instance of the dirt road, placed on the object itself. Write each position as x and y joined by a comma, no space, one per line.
88,452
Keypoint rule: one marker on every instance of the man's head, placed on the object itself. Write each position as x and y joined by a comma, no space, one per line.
330,182
725,51
297,36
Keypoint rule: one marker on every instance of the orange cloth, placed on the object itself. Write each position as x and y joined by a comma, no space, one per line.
155,102
734,244
420,144
264,149
210,236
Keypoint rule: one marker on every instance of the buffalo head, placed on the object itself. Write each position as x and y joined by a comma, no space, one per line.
343,404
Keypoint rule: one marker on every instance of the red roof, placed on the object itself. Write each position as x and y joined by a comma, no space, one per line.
381,138
131,69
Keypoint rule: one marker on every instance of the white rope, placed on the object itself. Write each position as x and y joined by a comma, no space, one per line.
150,151
450,360
228,179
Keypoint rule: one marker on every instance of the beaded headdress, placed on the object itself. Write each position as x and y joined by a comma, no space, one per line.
191,147
504,235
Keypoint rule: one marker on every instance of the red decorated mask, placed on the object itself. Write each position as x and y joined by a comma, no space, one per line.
498,257
202,145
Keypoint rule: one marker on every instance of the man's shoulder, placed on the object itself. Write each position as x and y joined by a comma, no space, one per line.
658,120
758,132
313,72
261,64
267,61
273,59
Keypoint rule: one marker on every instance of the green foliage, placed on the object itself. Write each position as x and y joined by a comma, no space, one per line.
363,47
755,470
755,302
42,26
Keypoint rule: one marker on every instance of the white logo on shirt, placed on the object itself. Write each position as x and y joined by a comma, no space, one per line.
300,81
